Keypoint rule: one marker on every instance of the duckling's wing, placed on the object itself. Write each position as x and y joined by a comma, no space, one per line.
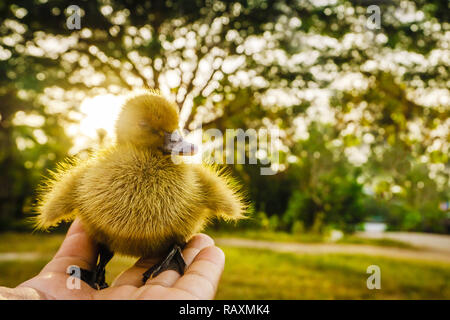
221,193
58,194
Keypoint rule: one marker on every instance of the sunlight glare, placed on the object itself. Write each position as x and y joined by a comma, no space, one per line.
98,113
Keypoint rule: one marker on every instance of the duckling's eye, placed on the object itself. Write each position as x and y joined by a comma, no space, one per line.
144,125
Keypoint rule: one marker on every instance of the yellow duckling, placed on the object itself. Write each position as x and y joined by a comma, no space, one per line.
132,198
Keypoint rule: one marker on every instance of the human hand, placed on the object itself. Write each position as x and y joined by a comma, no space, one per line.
204,263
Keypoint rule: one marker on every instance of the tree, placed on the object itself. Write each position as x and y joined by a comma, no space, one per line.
240,64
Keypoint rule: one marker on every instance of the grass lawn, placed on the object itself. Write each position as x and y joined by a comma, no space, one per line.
263,274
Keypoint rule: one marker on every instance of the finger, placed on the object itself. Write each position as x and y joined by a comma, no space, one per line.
133,276
193,247
77,249
203,275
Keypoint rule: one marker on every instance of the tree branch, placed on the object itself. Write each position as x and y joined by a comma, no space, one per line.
115,70
190,86
137,72
192,114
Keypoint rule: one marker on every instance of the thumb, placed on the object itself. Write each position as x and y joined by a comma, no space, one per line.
77,249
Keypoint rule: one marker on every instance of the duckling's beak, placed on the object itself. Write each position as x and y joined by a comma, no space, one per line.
175,144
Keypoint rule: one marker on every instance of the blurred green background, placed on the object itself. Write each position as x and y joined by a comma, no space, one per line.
363,112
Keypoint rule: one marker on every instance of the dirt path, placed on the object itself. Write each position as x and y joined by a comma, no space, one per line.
435,242
302,248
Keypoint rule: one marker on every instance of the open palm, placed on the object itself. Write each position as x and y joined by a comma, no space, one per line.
204,262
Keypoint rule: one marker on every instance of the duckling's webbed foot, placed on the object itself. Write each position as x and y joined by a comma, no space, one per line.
173,261
96,278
